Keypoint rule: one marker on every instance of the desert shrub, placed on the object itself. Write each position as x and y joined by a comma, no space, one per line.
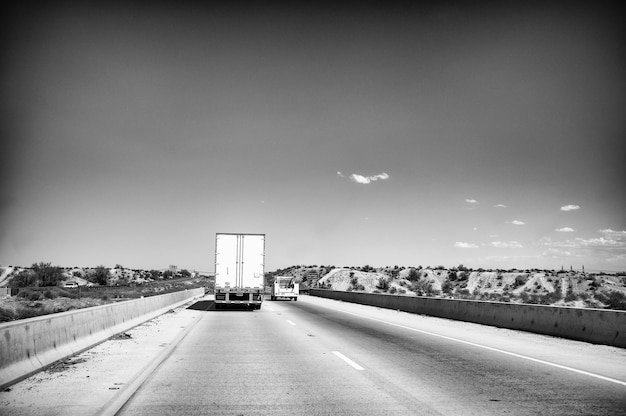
463,292
422,288
519,281
401,291
24,278
6,315
48,294
47,274
392,290
413,275
613,300
29,295
383,284
552,297
99,275
570,296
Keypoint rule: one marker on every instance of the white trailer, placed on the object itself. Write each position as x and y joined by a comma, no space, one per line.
285,287
239,269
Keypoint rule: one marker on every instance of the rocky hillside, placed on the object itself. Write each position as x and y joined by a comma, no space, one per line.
548,287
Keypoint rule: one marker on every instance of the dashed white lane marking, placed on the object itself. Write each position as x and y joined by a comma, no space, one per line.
291,322
349,361
525,357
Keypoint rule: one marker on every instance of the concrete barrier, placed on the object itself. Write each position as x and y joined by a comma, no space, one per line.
28,345
597,326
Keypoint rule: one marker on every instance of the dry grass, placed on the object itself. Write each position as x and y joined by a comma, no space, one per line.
14,308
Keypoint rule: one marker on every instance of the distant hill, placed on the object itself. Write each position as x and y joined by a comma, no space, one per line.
548,287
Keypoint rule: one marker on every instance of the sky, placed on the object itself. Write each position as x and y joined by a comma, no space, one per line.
443,134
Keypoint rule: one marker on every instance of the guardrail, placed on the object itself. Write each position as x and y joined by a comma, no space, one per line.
597,326
28,345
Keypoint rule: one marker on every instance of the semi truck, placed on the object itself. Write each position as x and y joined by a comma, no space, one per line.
285,287
239,269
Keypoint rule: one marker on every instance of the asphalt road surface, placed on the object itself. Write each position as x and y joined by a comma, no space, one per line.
322,357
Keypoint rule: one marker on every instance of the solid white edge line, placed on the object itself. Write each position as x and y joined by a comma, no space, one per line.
349,361
513,354
291,322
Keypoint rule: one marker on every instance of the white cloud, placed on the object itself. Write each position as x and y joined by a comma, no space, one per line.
506,244
499,206
340,174
459,244
367,179
569,207
516,222
565,230
472,204
609,248
615,235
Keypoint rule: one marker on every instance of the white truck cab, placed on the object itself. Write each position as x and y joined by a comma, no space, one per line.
285,287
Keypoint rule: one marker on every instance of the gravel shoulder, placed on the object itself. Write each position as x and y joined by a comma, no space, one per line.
84,383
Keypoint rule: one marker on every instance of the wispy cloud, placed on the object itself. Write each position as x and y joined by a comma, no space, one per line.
499,206
610,246
565,230
569,207
460,244
506,244
354,177
472,204
516,222
615,235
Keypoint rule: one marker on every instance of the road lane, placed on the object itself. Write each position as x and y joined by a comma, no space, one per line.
471,379
295,358
256,363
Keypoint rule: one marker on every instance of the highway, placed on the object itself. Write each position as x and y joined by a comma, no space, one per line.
321,357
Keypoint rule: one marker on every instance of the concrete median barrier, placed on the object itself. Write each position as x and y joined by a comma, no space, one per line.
597,326
28,345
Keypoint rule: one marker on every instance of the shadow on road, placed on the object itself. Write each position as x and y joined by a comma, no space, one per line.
203,305
209,305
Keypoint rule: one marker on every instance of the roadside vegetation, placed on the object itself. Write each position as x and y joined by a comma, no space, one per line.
44,289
